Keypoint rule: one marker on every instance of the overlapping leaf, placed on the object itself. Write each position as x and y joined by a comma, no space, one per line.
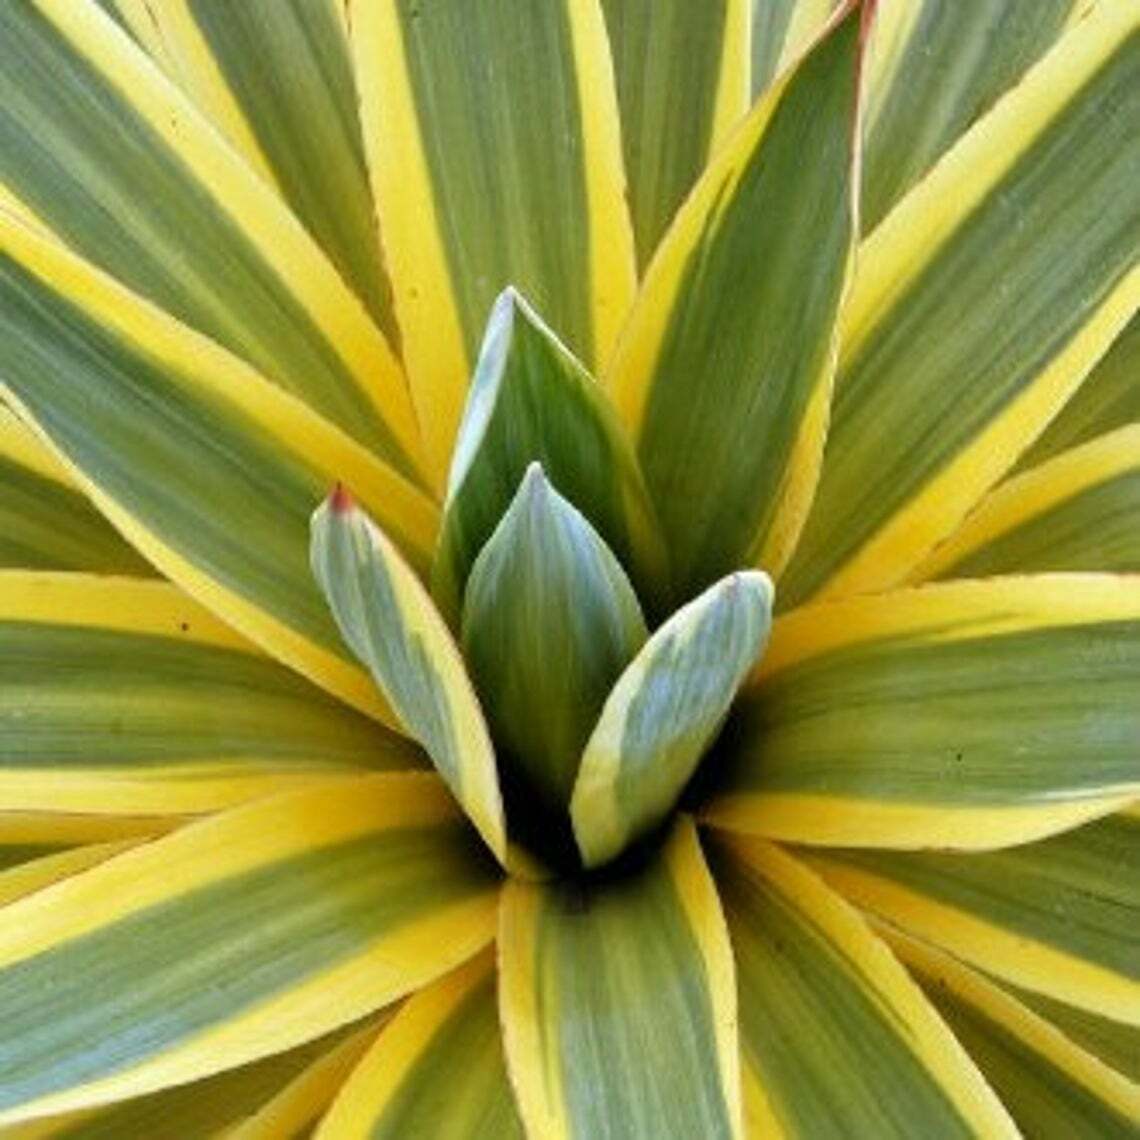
723,374
247,933
964,714
492,137
206,468
836,1040
125,697
593,977
106,153
980,305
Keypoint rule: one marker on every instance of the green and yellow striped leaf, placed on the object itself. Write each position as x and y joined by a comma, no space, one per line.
531,400
836,1040
980,306
596,982
436,1070
387,618
233,939
493,140
967,715
780,30
233,1104
106,153
25,869
934,68
123,696
45,521
549,623
1114,1042
1049,1085
207,469
1077,511
682,84
1108,399
275,77
665,710
723,374
296,1109
1058,917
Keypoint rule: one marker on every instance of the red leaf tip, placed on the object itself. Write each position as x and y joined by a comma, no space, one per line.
341,500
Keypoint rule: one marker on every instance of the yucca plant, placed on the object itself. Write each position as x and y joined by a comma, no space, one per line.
706,699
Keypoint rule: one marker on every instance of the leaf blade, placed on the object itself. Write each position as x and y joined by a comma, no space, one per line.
531,400
183,440
682,83
529,193
665,709
388,857
728,421
451,1026
1047,1083
836,1040
557,953
45,522
987,909
117,131
181,716
916,438
303,134
944,715
390,623
1077,511
545,589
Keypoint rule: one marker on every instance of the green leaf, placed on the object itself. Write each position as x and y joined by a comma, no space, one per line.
1108,398
682,83
723,375
664,712
531,400
934,69
1049,1085
618,1003
180,715
836,1040
1078,511
237,937
46,523
390,623
1058,917
968,714
549,622
980,305
207,469
276,78
436,1070
105,153
493,141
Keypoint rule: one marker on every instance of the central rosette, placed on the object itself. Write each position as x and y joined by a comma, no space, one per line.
562,691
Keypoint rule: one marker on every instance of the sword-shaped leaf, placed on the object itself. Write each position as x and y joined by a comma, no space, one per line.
388,620
531,400
493,143
665,710
723,374
549,622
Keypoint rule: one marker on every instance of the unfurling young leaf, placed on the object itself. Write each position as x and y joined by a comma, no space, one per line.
549,622
531,400
665,711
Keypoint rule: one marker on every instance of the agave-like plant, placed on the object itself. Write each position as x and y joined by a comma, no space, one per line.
495,800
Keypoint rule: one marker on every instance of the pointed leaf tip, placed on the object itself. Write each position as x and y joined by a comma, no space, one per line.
341,500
